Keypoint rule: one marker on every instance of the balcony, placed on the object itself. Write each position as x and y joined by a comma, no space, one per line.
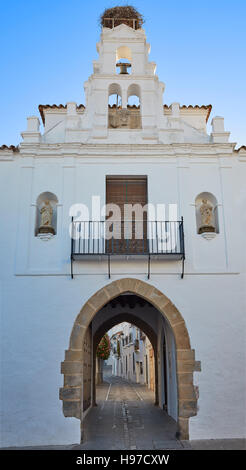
121,239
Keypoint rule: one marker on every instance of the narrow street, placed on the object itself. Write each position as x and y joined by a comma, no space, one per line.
126,418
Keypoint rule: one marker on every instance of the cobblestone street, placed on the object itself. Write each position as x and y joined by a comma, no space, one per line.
126,418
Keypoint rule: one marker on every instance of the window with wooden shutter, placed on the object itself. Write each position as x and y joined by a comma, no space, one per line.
130,233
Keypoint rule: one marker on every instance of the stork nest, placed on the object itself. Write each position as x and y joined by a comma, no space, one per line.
121,15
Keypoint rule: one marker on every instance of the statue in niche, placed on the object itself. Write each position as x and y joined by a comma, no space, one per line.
207,217
46,212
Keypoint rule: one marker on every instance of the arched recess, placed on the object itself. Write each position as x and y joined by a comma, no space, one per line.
114,94
114,105
207,200
134,106
134,320
134,91
123,52
50,199
72,367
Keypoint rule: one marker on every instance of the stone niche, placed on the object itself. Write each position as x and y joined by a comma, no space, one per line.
46,216
207,222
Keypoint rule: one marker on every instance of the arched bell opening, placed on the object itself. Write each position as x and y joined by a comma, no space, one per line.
134,106
114,105
123,60
115,95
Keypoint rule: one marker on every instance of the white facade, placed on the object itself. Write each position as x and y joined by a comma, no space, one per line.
39,300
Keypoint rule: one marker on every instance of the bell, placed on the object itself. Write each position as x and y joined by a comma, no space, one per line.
123,67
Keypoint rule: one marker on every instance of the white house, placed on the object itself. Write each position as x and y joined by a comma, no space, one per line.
132,355
183,283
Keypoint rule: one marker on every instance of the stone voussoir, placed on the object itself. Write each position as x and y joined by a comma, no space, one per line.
73,355
158,299
181,335
185,378
76,338
187,408
128,285
113,289
172,314
71,409
187,392
185,366
144,290
86,314
70,393
186,354
99,299
72,380
72,367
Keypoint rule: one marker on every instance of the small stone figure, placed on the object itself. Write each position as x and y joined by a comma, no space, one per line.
46,212
207,217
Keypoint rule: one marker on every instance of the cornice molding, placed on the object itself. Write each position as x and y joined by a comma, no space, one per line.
128,150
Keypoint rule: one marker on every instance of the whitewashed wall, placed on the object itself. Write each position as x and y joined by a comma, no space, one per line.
39,301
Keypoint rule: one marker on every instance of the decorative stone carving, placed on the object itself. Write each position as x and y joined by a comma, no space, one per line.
207,217
126,118
46,212
208,235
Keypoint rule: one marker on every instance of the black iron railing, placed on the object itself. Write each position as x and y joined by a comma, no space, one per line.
127,238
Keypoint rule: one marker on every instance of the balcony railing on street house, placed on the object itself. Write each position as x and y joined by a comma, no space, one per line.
136,345
151,239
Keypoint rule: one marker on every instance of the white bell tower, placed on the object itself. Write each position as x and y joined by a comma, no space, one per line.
123,70
124,98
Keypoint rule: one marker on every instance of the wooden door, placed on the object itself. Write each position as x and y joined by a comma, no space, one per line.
130,233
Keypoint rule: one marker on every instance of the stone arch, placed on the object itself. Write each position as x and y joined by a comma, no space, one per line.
72,367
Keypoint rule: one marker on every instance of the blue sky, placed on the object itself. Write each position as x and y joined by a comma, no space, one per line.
47,48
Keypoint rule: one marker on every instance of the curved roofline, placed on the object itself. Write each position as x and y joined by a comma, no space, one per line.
196,106
14,148
243,147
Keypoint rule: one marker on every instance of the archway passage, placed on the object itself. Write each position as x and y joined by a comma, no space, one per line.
78,358
133,320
